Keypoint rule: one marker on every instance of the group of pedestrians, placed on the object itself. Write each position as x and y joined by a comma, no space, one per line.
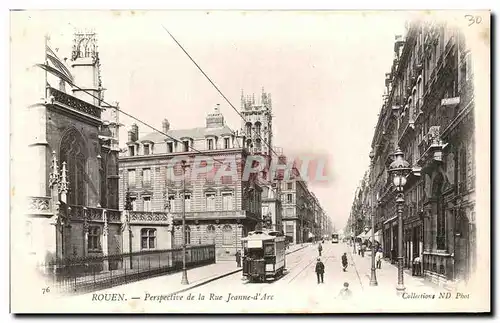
320,272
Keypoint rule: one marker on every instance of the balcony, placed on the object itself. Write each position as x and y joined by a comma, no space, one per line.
407,122
431,147
74,103
80,212
162,217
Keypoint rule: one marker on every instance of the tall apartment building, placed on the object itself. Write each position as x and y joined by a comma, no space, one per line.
429,114
218,210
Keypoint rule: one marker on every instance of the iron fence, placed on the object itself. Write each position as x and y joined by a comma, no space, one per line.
88,274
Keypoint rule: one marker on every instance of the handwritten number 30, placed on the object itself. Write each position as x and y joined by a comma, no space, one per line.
473,19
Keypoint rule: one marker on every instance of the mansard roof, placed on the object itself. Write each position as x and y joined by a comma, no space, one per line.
194,133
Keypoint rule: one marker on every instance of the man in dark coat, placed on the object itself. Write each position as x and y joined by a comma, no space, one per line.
344,261
320,248
320,270
238,258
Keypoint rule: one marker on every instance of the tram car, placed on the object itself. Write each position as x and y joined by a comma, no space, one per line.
263,255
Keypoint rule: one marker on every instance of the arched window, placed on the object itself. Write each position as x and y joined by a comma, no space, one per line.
211,234
188,235
248,129
257,127
73,151
227,235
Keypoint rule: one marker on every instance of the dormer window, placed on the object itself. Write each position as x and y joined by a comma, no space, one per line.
186,145
146,149
170,147
131,150
226,143
210,144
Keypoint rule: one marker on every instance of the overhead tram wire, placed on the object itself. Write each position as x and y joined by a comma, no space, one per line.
215,86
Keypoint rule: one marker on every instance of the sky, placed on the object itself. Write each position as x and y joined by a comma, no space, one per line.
325,71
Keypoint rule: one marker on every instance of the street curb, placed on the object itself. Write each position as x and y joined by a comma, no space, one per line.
220,276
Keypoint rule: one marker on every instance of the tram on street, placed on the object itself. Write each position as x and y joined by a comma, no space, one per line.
335,238
263,255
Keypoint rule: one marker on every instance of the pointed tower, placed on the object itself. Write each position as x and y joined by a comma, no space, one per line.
257,126
86,66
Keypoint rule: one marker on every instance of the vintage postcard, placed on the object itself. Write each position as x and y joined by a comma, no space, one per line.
250,161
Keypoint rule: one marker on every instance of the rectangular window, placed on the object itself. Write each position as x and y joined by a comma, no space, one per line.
289,198
146,149
210,144
210,201
227,201
146,177
148,238
147,203
171,199
170,174
187,201
133,201
131,178
170,147
290,186
186,145
94,239
131,150
226,143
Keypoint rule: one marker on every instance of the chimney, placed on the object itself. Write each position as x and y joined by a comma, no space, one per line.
134,130
165,125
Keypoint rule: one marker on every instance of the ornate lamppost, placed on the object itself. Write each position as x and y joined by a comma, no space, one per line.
373,275
399,169
184,280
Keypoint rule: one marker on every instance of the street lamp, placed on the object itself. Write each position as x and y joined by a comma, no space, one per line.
373,275
399,169
184,280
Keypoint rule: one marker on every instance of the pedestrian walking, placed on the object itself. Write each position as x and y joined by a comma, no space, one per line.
320,248
238,258
363,249
378,258
320,271
359,248
344,261
345,292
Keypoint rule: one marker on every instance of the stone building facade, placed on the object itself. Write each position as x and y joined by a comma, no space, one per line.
219,210
429,114
73,203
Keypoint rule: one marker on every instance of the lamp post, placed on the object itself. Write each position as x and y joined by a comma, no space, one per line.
184,280
399,169
373,274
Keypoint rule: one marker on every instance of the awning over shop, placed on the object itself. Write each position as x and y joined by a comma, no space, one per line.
390,219
311,235
378,236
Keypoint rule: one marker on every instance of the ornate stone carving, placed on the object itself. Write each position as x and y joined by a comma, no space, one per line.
39,204
148,216
75,103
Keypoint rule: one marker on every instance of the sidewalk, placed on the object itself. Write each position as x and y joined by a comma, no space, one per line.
387,276
171,284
